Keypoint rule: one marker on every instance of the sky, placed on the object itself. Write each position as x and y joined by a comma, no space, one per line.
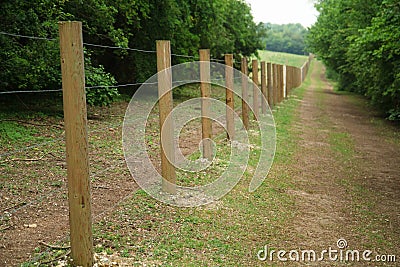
284,11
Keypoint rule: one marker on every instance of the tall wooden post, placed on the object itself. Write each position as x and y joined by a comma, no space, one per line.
229,96
289,79
256,96
263,88
245,93
205,88
279,83
292,78
280,77
275,83
75,120
298,77
165,102
269,83
285,85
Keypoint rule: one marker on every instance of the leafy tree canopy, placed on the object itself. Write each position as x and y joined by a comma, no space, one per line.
288,38
223,26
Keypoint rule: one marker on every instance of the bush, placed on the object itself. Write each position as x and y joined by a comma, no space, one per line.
104,94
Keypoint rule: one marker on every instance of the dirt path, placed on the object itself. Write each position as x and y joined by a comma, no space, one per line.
346,176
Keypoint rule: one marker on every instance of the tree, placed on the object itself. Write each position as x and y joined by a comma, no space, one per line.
288,38
223,26
32,64
358,41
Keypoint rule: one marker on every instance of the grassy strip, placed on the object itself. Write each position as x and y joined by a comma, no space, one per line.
282,58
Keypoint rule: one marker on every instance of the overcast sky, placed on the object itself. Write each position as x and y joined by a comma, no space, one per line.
284,11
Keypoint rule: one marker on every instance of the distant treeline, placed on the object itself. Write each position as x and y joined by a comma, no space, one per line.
288,38
223,26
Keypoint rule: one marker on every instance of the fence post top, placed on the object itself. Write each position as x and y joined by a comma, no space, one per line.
69,22
162,41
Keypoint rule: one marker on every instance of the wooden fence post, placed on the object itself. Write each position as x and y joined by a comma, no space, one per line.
229,96
75,119
256,96
205,88
288,68
298,77
276,84
291,78
263,88
245,93
280,83
283,82
269,84
164,76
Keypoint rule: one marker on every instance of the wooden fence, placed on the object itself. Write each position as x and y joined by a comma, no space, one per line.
277,81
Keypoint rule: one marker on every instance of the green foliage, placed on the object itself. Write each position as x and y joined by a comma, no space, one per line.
28,63
288,38
97,76
223,26
359,41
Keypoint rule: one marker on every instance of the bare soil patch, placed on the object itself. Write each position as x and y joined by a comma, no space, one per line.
34,205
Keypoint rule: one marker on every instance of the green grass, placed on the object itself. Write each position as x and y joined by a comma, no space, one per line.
228,232
12,133
282,58
342,144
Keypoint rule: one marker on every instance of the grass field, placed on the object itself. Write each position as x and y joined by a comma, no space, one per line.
141,230
229,232
226,233
282,58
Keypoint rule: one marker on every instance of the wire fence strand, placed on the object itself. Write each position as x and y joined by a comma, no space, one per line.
27,36
30,91
99,87
106,46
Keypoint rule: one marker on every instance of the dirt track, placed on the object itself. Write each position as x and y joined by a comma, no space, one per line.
347,176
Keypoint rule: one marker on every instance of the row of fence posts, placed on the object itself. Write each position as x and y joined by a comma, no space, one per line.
276,83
